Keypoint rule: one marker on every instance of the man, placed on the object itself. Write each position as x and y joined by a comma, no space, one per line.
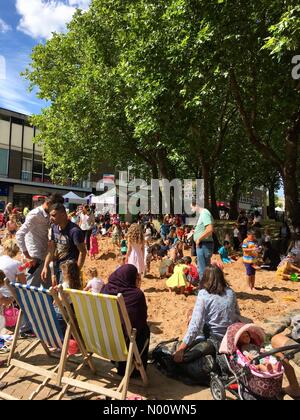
203,237
32,239
67,242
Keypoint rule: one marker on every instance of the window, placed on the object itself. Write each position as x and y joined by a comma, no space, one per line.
3,162
27,169
37,171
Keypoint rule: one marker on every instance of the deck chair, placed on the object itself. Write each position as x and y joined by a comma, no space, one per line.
100,324
36,304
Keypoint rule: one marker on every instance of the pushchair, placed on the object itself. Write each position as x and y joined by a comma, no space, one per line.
239,376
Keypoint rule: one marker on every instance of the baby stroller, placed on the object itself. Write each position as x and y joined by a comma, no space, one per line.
239,376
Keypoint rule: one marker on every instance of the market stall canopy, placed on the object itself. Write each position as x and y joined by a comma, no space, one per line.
73,198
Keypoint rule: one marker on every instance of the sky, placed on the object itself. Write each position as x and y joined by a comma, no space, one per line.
24,24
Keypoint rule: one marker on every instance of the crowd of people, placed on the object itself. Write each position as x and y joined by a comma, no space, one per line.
48,246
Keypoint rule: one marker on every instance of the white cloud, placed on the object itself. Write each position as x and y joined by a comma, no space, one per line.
4,27
39,18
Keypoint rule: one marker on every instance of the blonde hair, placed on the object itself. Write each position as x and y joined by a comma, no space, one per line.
135,234
11,248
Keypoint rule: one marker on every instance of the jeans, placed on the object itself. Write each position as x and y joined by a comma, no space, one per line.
34,279
204,254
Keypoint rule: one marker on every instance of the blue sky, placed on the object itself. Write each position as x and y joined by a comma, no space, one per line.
24,24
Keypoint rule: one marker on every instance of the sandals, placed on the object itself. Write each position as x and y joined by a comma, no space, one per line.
4,349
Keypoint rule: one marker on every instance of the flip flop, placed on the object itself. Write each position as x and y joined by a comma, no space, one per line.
4,349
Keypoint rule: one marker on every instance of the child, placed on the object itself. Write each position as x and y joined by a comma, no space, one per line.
267,235
176,252
236,238
180,233
271,257
95,284
178,281
251,351
224,253
123,246
12,226
148,233
71,275
192,274
116,236
164,248
6,298
94,249
136,248
166,268
250,253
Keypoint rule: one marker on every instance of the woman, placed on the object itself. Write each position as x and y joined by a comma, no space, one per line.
9,265
243,223
126,281
8,212
87,222
215,310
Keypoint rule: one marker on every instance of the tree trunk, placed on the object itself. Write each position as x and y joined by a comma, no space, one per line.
291,197
234,202
272,205
205,176
214,207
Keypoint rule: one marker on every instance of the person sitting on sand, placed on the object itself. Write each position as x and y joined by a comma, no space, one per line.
176,252
192,274
215,310
166,268
178,281
271,257
288,266
224,253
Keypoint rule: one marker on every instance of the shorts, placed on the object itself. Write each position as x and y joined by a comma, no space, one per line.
250,270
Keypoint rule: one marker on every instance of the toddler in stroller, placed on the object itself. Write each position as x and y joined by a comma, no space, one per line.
246,370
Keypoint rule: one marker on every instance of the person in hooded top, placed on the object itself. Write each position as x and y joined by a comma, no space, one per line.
125,280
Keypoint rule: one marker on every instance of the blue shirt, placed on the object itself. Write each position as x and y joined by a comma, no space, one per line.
67,241
217,312
224,253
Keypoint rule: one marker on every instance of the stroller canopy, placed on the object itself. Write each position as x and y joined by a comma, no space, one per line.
235,331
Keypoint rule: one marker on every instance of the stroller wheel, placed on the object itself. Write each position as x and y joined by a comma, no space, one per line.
217,389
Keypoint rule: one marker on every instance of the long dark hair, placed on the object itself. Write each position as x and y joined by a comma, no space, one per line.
214,281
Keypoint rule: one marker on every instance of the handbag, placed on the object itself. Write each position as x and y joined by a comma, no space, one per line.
11,316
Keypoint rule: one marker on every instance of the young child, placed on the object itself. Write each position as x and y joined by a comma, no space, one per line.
192,274
71,276
250,253
251,351
123,246
95,284
12,226
94,248
116,236
176,252
164,248
6,298
166,268
224,253
178,281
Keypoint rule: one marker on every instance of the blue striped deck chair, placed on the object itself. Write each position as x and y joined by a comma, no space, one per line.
99,320
37,305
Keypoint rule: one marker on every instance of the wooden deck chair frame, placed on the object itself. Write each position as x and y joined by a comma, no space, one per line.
133,361
55,374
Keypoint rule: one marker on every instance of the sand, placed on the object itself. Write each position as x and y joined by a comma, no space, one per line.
167,311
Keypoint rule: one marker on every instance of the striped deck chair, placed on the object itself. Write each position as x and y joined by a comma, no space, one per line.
99,321
36,304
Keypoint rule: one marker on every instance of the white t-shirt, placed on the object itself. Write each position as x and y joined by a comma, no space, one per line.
236,233
87,221
95,285
10,267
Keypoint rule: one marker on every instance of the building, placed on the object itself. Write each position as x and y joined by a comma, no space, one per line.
22,170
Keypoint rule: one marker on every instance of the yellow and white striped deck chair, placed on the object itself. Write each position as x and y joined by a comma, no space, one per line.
99,321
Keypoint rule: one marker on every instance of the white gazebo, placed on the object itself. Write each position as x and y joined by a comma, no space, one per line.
73,198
